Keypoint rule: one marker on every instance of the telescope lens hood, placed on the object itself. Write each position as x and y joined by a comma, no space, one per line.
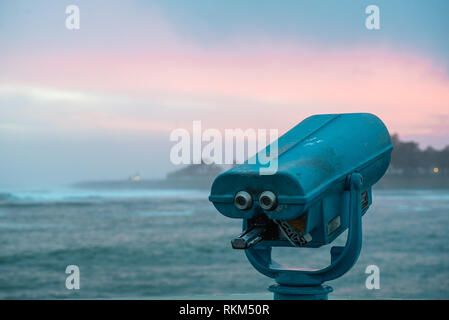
243,200
267,200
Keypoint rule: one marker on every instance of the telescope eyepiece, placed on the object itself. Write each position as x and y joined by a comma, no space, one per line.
267,200
243,200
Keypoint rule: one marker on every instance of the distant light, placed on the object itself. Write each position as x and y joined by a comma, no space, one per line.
435,170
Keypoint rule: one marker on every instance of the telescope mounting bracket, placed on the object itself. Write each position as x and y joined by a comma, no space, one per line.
300,283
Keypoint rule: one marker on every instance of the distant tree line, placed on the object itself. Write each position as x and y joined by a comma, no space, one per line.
408,158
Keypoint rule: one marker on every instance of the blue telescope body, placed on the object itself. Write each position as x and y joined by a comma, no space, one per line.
326,166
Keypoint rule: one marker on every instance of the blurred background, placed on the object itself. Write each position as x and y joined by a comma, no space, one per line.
86,115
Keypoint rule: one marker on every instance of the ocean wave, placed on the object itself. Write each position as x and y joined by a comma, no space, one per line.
75,196
6,196
398,194
28,226
165,213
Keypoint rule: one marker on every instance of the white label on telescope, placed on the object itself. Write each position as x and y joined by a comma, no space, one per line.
333,225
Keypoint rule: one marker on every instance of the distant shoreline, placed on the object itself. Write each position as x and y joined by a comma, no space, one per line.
387,182
192,184
413,182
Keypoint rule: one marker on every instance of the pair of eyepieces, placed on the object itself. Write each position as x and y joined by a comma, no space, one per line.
244,201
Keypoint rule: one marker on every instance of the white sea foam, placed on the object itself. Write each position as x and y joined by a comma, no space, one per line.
77,194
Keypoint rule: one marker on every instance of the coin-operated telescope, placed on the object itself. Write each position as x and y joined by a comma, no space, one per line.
326,166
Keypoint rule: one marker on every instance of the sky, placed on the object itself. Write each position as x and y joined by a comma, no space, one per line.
100,102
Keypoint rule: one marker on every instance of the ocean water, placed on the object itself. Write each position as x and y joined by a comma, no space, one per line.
166,243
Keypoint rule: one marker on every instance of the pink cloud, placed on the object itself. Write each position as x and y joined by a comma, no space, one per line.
286,83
